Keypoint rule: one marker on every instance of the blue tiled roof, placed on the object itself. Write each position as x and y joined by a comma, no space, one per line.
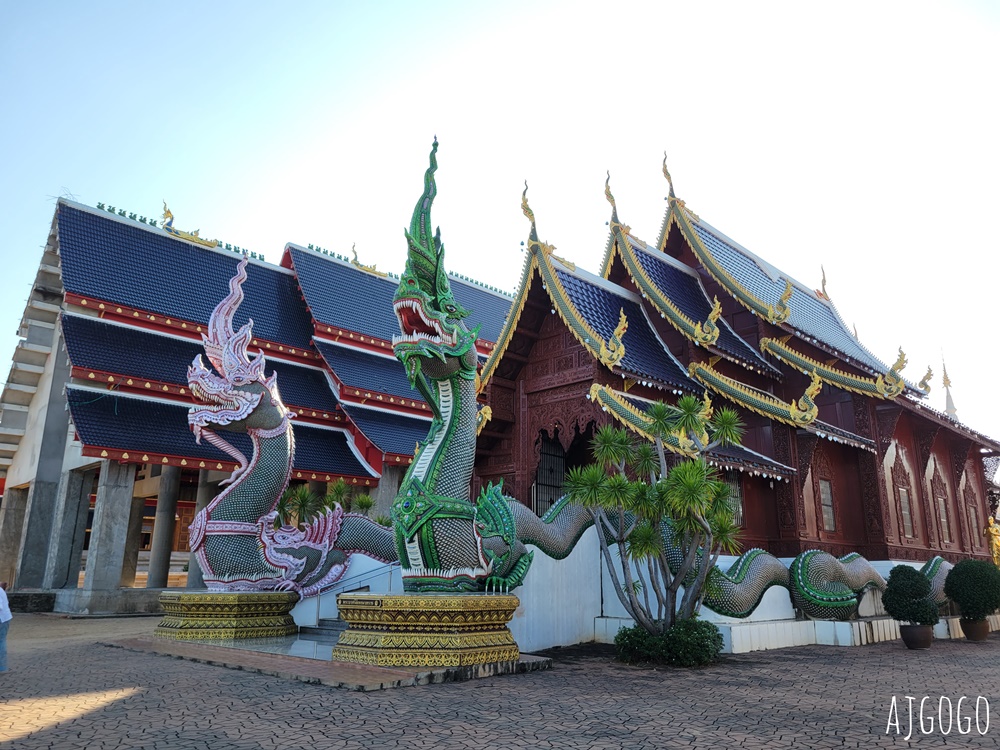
128,264
121,350
393,433
685,291
645,354
338,294
326,451
809,315
363,370
109,420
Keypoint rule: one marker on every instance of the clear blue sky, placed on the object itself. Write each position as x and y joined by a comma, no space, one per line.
860,136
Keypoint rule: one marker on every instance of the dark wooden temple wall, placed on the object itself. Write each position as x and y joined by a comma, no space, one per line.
760,511
933,464
548,396
837,464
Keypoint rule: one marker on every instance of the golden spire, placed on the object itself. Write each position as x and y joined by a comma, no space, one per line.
949,402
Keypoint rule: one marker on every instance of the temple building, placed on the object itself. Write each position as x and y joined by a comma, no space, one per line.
97,451
841,453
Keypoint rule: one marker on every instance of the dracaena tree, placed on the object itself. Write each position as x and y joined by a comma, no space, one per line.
670,523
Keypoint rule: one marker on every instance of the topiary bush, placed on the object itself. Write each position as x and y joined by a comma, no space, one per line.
974,585
689,643
906,597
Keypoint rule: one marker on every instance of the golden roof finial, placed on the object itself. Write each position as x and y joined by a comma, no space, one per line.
362,267
666,173
821,292
925,382
525,207
946,381
607,192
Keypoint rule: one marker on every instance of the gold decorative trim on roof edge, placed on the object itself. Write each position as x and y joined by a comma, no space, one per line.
614,350
892,384
774,314
483,416
797,413
510,324
367,269
617,406
704,333
886,386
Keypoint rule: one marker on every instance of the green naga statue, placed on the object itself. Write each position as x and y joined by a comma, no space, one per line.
447,542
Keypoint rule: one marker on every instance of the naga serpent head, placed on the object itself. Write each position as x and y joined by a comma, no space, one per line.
434,339
241,397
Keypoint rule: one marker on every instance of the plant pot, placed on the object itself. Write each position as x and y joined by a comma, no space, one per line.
975,630
917,636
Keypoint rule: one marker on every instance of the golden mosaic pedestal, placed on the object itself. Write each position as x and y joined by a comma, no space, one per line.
217,615
426,630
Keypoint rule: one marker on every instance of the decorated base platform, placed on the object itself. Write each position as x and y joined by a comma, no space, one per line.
217,615
432,630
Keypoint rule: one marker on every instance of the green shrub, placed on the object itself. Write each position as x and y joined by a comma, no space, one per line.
906,597
636,646
693,643
689,643
384,521
974,585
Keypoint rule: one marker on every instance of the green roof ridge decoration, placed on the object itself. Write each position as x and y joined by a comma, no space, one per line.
797,413
886,386
704,333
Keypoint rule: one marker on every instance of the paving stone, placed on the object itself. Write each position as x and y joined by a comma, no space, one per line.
68,692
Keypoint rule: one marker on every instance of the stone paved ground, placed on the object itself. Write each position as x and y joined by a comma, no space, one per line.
67,692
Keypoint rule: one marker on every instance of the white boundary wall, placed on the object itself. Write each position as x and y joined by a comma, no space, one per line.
564,602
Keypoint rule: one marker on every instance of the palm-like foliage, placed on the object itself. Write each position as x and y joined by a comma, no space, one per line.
298,505
643,506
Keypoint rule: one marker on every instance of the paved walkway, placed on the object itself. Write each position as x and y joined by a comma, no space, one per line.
65,691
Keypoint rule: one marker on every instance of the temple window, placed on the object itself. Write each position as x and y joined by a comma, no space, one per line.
735,481
826,502
548,486
906,511
977,526
942,504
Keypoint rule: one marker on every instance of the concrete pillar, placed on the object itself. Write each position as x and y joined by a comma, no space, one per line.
62,568
36,532
110,528
163,527
385,493
11,525
130,558
206,493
